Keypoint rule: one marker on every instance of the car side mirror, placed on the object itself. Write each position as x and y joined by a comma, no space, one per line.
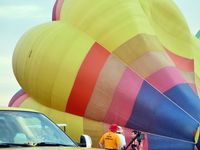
85,141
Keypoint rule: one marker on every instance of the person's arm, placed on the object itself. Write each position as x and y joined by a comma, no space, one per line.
101,142
119,147
195,148
124,141
100,145
137,145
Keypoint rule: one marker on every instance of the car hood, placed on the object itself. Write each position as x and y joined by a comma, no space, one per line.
51,148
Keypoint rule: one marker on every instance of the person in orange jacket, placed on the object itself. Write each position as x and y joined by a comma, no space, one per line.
110,140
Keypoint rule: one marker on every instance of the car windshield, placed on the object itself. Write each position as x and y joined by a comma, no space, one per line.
20,128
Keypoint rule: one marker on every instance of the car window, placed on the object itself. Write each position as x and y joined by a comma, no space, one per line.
30,127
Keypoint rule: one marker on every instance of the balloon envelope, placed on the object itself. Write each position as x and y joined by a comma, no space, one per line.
138,70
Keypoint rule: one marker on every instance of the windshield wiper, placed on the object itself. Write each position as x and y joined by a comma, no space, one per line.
52,144
15,145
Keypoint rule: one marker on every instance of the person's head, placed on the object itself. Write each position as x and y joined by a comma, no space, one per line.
120,130
134,133
113,127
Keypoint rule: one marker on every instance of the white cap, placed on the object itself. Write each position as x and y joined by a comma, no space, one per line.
120,130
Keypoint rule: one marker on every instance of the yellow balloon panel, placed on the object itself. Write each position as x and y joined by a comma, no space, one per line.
118,30
43,61
110,23
170,26
19,59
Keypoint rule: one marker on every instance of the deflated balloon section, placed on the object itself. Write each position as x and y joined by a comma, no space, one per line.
133,63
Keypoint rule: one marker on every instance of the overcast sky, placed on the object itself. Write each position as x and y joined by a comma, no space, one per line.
17,16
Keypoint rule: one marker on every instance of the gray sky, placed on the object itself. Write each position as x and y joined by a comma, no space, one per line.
18,16
190,9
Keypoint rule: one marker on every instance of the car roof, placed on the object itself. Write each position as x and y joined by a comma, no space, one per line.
16,109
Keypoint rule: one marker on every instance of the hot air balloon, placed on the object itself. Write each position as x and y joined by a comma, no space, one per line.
124,62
